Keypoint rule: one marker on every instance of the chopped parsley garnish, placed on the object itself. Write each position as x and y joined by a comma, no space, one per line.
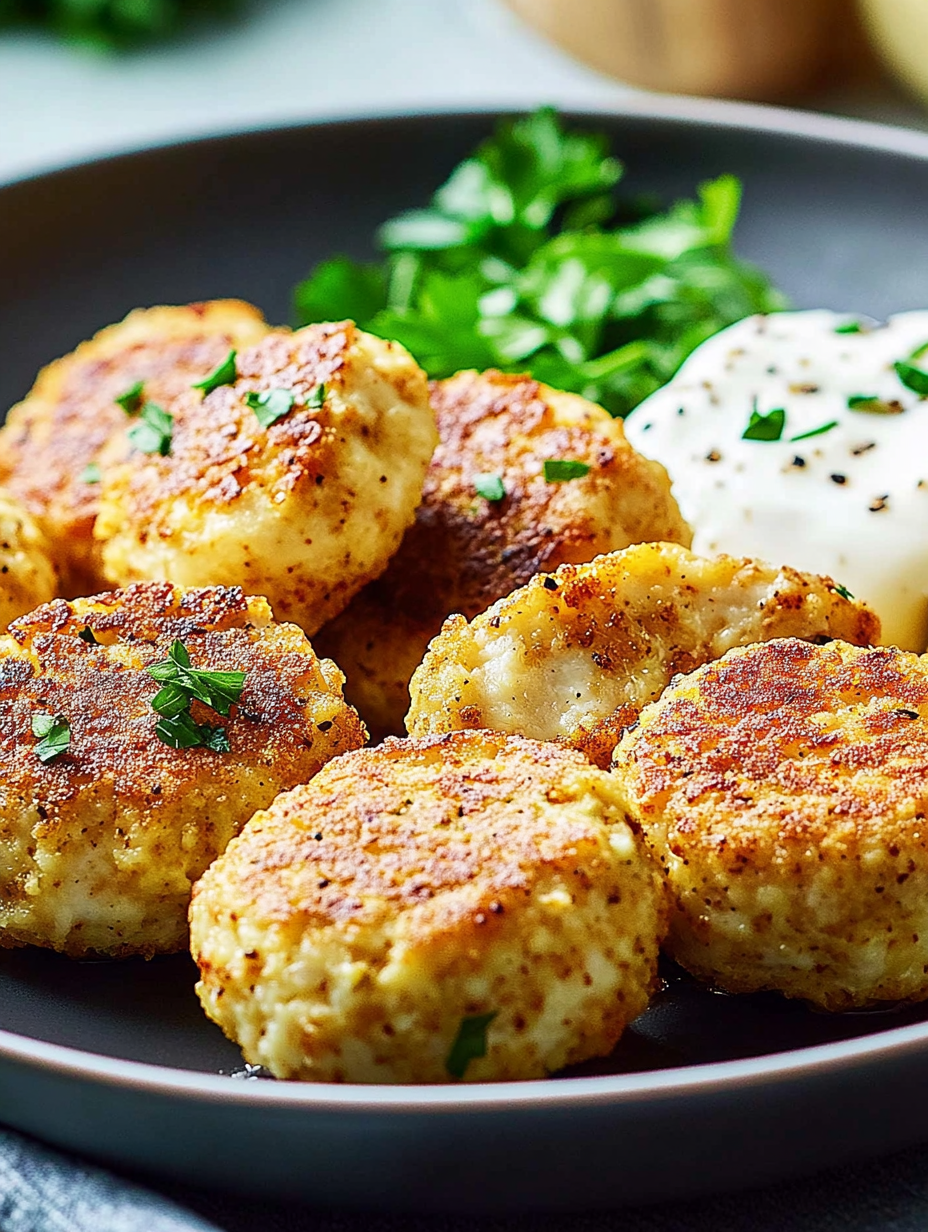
852,327
912,378
920,351
55,736
470,1043
805,436
225,374
87,635
316,400
559,470
526,260
91,473
131,400
270,406
763,427
152,434
842,591
872,404
490,487
180,685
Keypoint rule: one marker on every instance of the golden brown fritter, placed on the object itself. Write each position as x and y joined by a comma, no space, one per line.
99,846
464,551
785,790
27,575
574,655
353,927
305,510
70,419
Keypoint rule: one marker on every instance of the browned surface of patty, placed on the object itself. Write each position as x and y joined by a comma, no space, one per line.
70,417
464,552
785,790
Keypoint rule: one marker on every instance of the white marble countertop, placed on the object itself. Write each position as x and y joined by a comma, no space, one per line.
289,60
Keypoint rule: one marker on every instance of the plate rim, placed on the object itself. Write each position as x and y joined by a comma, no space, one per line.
676,108
814,1062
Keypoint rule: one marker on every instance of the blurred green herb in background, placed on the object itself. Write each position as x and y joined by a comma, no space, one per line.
110,24
513,265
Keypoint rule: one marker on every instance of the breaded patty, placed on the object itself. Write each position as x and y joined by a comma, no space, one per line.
574,655
70,419
27,575
304,509
464,551
424,894
99,846
785,790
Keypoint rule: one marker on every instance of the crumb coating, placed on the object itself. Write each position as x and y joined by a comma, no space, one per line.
353,925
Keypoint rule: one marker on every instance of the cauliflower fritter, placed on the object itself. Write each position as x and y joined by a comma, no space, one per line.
70,419
574,655
27,575
100,845
464,551
420,889
785,790
304,510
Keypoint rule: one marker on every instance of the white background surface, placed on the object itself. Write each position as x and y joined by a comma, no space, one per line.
289,60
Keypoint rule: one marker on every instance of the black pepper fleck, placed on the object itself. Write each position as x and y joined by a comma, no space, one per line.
878,504
713,456
549,583
838,479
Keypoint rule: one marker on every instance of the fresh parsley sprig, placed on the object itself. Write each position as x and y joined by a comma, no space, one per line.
224,374
181,683
152,434
524,261
54,732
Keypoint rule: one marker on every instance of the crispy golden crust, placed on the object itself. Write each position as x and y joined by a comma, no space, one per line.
70,419
27,575
100,846
785,790
463,552
353,925
305,510
574,655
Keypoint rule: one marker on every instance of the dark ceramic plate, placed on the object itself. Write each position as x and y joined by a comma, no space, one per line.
706,1091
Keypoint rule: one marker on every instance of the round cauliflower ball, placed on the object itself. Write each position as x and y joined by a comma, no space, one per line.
27,575
785,790
465,907
467,548
57,443
574,655
298,479
103,834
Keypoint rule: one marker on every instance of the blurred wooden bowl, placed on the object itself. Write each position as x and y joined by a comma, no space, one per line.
749,49
899,30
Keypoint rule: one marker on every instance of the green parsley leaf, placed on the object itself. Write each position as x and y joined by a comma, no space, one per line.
524,261
851,327
805,436
131,400
842,591
559,470
470,1043
91,473
182,732
218,690
271,405
767,427
171,700
87,635
225,374
55,736
152,434
871,404
490,487
912,378
919,351
316,400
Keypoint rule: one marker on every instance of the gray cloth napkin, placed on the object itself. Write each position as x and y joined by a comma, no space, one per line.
42,1191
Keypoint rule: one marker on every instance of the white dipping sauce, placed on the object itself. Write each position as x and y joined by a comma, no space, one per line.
851,502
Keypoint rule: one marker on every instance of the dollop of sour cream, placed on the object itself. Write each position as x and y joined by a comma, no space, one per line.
842,488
